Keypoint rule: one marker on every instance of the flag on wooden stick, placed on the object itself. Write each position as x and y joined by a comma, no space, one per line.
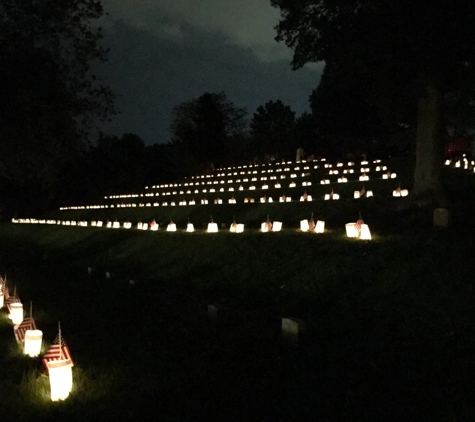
27,324
58,351
4,288
358,224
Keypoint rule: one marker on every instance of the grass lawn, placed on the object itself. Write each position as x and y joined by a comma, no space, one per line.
389,323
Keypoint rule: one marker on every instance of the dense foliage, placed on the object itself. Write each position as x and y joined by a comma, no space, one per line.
50,99
416,52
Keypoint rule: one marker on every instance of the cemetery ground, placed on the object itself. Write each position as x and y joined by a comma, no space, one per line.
389,323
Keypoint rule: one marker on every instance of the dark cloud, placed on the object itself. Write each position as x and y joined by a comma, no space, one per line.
160,60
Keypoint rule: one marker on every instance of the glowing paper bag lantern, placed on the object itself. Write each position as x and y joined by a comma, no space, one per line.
304,225
60,378
369,194
266,226
116,225
277,226
33,341
351,230
236,228
127,225
190,228
139,225
365,233
171,227
16,313
153,225
320,226
356,194
212,227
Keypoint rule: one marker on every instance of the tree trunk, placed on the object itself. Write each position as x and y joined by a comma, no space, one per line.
428,188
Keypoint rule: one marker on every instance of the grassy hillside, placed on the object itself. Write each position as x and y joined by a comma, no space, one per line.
389,323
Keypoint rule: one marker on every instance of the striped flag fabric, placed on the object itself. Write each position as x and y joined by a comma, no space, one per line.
58,350
8,302
4,288
358,225
27,324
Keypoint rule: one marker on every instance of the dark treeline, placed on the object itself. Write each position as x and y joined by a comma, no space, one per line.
407,104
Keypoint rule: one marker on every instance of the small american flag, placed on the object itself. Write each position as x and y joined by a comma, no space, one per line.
4,288
311,223
358,225
57,352
27,324
8,302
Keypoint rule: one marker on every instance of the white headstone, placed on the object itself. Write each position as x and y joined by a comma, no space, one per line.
299,156
212,312
441,217
291,328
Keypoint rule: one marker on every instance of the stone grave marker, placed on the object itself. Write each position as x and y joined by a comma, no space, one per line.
291,329
441,218
213,313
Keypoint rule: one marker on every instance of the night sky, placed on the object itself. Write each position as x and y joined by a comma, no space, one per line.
164,52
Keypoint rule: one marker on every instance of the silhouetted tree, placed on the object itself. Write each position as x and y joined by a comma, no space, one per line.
416,50
49,98
307,134
202,129
272,129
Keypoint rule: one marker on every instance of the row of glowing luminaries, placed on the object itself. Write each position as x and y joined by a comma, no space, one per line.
342,179
212,227
464,163
364,177
60,372
328,196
